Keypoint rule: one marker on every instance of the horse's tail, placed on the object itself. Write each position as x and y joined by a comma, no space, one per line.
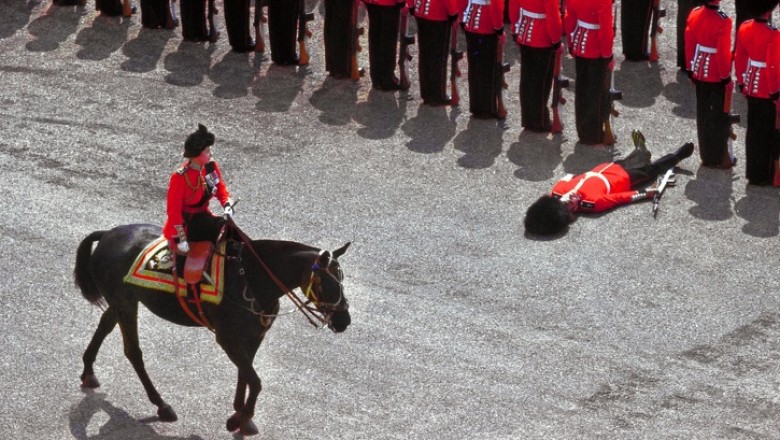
81,275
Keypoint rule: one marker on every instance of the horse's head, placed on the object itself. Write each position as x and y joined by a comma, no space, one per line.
325,290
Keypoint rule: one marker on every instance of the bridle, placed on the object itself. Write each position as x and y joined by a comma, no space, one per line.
314,308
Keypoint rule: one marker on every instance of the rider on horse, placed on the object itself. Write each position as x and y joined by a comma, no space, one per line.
190,190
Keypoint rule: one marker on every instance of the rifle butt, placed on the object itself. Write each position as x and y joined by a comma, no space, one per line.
127,9
653,51
259,43
776,179
609,136
557,126
454,96
303,55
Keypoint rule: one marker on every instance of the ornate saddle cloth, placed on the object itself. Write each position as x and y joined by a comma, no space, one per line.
153,269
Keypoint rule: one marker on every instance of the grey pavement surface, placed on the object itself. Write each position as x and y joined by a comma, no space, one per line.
626,327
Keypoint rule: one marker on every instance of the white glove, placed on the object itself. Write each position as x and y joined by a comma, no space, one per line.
183,247
227,210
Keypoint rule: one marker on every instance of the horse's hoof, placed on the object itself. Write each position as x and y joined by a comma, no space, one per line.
167,414
234,422
249,428
90,381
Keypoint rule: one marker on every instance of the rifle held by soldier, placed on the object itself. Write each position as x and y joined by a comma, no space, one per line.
501,84
303,34
260,18
456,56
405,41
127,9
356,71
614,94
655,29
213,33
559,83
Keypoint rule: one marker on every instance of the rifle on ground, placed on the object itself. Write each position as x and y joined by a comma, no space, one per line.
259,19
668,179
455,56
303,33
127,9
357,71
213,33
614,94
655,29
503,68
405,41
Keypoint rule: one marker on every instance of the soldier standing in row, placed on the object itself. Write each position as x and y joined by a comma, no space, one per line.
193,20
589,24
708,61
537,28
383,24
635,18
339,34
109,8
237,25
282,31
757,68
483,22
434,33
684,7
156,14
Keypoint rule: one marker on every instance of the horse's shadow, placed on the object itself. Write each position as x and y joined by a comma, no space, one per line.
761,209
52,28
119,426
431,129
336,99
380,114
189,64
104,37
481,142
144,51
537,156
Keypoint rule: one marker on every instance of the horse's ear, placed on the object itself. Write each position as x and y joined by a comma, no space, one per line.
340,251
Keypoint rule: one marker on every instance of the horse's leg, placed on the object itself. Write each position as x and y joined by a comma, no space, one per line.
128,322
107,324
242,355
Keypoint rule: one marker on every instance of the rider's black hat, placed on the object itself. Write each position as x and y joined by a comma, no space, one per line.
198,141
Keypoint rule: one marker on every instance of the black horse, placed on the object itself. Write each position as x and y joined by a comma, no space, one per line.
257,274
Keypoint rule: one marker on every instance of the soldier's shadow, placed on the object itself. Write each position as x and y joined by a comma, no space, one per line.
233,75
761,209
278,88
118,426
144,51
711,190
537,155
336,99
16,17
189,64
644,73
52,28
431,129
481,141
683,94
585,157
104,37
380,114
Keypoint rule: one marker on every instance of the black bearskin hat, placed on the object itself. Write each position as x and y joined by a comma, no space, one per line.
760,7
547,216
198,141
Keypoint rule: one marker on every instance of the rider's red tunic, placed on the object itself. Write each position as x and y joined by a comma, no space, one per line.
188,194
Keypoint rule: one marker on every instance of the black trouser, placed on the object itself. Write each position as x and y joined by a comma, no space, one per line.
536,80
641,171
282,31
111,8
203,226
193,20
155,13
712,124
237,24
762,142
635,17
484,73
339,40
684,7
591,99
433,43
383,25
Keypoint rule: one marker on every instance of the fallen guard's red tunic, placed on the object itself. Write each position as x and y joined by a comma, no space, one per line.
601,189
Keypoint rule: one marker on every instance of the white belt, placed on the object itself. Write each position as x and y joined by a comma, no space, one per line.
481,2
527,13
760,64
706,49
587,176
586,25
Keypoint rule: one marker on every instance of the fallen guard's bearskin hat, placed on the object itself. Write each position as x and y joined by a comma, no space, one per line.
198,141
546,216
761,7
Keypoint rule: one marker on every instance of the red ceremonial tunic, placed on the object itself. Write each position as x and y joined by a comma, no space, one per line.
483,16
600,189
536,23
756,59
708,44
434,10
589,26
187,193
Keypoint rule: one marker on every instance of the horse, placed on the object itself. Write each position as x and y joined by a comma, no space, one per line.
257,274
